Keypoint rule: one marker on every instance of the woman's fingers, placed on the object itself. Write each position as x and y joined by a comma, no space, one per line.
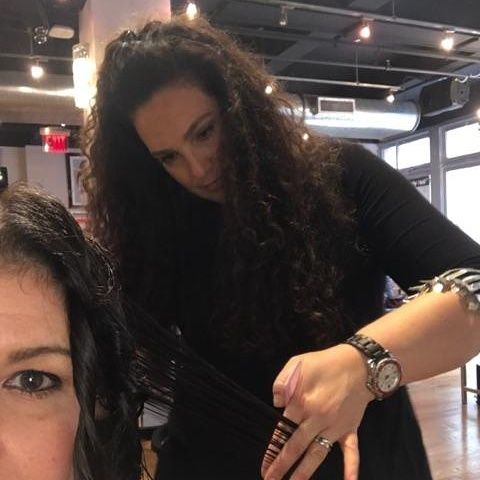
283,435
351,456
298,443
314,457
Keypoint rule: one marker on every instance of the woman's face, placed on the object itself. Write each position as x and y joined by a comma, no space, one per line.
38,406
181,126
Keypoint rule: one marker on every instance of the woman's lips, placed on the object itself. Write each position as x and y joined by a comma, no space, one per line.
212,185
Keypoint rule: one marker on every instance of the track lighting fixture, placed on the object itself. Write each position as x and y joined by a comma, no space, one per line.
447,42
283,19
37,71
191,10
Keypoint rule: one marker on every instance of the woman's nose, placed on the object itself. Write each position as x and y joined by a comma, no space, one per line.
198,166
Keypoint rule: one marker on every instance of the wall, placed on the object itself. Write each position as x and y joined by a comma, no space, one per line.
32,165
14,159
47,170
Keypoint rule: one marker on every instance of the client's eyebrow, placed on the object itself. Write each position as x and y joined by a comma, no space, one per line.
32,352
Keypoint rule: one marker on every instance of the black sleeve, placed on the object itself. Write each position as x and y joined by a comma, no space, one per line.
411,238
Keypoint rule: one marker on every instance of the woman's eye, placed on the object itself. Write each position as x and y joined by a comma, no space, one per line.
166,159
33,382
206,132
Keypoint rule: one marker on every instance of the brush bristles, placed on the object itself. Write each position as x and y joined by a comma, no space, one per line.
178,383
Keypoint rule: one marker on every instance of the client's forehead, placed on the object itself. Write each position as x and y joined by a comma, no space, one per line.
32,312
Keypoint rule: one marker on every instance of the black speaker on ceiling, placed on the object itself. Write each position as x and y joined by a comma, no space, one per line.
439,97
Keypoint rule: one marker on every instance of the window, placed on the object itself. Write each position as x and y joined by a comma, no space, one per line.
414,153
422,184
462,140
463,198
390,156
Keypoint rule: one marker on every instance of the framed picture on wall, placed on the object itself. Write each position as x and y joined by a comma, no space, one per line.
77,196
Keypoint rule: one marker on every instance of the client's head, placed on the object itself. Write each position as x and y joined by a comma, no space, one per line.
67,405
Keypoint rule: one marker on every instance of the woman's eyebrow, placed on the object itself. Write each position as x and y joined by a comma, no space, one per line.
32,352
186,135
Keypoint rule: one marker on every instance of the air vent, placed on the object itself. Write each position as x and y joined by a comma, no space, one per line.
337,105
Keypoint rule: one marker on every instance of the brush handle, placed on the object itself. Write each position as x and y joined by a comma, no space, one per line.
292,382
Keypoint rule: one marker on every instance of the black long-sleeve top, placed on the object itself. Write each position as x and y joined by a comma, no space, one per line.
400,235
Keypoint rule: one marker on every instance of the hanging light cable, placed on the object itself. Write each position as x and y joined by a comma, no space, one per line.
283,19
36,70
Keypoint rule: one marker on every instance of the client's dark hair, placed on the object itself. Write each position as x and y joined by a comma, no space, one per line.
37,232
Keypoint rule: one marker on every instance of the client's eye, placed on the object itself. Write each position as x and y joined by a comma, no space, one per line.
33,382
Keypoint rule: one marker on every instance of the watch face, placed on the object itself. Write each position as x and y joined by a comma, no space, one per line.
388,375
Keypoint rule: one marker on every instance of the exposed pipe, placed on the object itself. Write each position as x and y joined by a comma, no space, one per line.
410,22
386,68
368,119
251,32
380,86
40,57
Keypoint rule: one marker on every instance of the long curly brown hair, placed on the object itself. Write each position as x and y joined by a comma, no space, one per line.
286,222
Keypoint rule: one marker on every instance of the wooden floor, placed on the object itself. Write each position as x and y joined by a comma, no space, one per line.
451,431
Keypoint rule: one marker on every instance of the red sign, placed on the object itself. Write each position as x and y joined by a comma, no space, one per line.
54,140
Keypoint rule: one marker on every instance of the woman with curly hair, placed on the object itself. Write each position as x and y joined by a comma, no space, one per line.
68,402
268,252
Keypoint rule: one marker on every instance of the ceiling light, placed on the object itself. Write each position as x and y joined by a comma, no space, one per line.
63,32
40,35
191,10
478,113
83,76
283,19
37,71
390,98
305,137
365,31
269,89
448,42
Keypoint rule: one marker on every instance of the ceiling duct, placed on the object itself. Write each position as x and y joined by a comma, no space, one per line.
443,96
357,118
45,102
